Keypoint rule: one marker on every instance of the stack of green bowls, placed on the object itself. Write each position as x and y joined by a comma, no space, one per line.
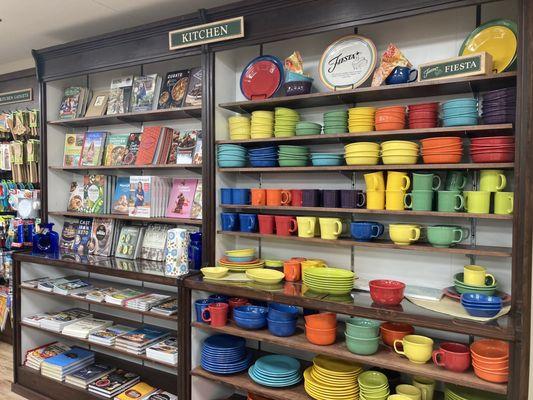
308,128
336,121
285,121
362,336
461,287
293,156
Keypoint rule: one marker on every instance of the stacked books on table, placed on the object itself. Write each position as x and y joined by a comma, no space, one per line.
120,297
87,375
57,367
82,329
162,395
165,351
114,383
35,357
59,321
139,391
107,337
167,309
137,341
146,302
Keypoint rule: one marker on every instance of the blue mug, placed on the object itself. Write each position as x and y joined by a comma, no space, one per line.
226,196
248,222
241,196
401,75
200,306
230,221
218,298
365,231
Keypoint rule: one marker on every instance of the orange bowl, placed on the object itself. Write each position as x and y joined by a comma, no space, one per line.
321,321
388,118
391,109
441,141
389,126
391,331
443,152
491,376
321,337
492,366
490,350
444,147
442,158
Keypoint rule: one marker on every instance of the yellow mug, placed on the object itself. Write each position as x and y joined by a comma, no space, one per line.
409,391
330,228
503,203
426,386
492,180
394,200
418,349
404,234
398,181
477,202
476,275
375,181
375,200
306,226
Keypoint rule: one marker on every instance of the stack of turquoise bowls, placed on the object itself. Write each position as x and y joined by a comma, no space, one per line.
231,156
293,156
460,112
336,121
326,159
308,128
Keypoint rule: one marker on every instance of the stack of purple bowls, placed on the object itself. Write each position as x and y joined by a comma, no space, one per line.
499,106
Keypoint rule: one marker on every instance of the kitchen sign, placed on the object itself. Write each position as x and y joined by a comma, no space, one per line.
227,29
457,67
17,96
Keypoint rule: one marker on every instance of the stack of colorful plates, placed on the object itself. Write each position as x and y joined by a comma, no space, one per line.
373,385
499,106
231,155
263,156
462,287
453,392
225,354
481,305
307,128
276,371
239,127
262,125
361,119
285,122
336,121
293,156
240,266
459,112
329,280
330,378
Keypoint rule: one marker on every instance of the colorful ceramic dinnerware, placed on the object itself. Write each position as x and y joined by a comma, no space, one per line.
490,360
225,354
329,280
386,292
391,331
214,272
276,371
262,77
262,275
499,106
373,385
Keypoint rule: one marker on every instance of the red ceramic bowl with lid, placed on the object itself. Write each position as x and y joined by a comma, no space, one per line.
386,292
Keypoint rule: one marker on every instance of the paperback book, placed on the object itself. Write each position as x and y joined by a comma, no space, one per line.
140,201
36,356
73,102
114,383
138,340
194,91
186,146
132,148
101,236
174,89
98,104
94,193
108,336
76,195
120,297
73,147
139,391
165,351
93,149
154,242
71,287
128,245
181,198
58,321
145,92
119,95
87,375
162,395
68,235
82,329
196,210
121,196
57,367
116,148
168,308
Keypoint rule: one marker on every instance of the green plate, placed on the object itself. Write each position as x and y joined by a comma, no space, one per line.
329,272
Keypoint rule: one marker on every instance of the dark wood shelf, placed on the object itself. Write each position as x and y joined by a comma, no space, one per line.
381,93
394,167
384,357
469,131
184,221
487,251
364,211
133,117
357,304
191,167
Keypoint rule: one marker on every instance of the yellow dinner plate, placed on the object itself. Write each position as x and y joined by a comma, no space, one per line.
339,367
268,276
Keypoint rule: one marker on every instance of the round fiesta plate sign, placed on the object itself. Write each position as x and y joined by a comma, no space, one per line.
347,62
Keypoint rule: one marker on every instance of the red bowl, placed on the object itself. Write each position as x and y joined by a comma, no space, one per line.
442,158
504,147
391,331
422,114
493,157
492,151
423,125
493,140
386,292
423,106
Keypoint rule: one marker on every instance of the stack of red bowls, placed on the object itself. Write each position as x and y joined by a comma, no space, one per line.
492,149
490,359
390,118
442,150
424,115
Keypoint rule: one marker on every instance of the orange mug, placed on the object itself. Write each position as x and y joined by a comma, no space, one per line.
278,197
258,197
292,270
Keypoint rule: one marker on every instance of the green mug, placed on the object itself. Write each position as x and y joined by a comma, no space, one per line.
450,201
419,200
425,182
503,203
492,180
446,235
477,202
455,180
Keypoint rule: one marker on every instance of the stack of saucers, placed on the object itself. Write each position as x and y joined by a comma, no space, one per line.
276,371
225,354
239,127
373,385
231,155
361,119
293,156
499,106
263,156
330,378
336,121
459,112
262,126
307,128
285,122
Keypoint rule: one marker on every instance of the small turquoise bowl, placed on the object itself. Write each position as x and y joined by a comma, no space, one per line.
459,121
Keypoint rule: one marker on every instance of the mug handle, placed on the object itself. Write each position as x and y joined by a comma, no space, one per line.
363,199
287,199
465,198
204,318
503,182
417,234
458,236
407,182
493,279
339,228
466,233
463,182
293,226
396,349
438,182
461,202
435,357
377,229
413,75
408,196
510,210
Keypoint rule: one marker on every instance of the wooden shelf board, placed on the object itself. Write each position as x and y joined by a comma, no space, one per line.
191,167
394,167
380,93
488,251
385,357
297,210
133,117
468,130
184,221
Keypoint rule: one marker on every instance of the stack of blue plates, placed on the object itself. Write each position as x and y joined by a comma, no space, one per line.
264,156
276,371
225,354
459,112
231,155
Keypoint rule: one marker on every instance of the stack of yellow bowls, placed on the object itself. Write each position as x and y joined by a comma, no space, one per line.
399,152
285,122
361,153
262,124
361,119
239,127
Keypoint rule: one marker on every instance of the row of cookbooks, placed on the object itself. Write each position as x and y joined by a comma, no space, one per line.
140,196
84,289
142,93
77,366
155,145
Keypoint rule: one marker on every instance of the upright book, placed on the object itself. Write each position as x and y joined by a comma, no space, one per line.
73,147
76,196
83,236
145,92
186,146
72,102
194,91
148,146
154,242
94,193
93,149
132,148
101,236
119,95
140,201
174,89
181,198
98,104
116,148
121,196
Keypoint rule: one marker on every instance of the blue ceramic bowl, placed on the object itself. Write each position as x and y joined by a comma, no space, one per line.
231,164
480,299
458,121
294,76
485,313
460,102
241,259
250,323
460,112
281,328
323,162
273,163
282,312
250,312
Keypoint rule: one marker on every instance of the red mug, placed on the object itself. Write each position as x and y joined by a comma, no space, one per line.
297,198
292,270
452,356
218,314
236,302
285,225
266,224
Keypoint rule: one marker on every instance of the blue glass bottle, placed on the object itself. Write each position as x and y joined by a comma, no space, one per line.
195,250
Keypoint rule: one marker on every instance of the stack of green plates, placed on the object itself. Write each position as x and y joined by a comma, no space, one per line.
462,287
293,156
453,392
329,280
285,122
336,121
308,128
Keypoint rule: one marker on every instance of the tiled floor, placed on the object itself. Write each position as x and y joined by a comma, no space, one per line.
6,373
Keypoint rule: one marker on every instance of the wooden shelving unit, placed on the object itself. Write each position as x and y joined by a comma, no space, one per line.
169,167
184,221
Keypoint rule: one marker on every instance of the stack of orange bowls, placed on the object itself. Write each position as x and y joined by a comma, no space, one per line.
423,116
390,118
490,359
442,150
321,329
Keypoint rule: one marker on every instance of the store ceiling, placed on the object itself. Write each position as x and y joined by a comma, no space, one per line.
31,24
